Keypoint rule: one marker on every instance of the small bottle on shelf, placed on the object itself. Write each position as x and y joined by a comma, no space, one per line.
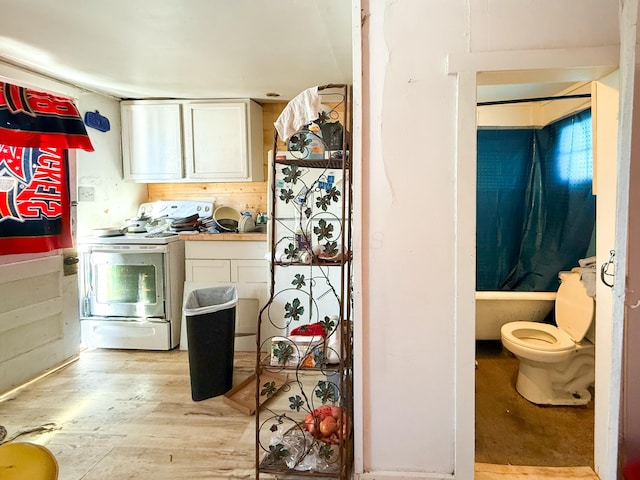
300,235
333,344
316,145
300,220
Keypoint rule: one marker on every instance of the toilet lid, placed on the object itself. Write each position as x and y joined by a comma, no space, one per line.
574,308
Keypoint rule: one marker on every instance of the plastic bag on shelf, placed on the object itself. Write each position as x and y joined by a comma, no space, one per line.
305,453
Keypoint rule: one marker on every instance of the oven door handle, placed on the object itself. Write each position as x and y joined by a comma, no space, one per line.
126,249
89,273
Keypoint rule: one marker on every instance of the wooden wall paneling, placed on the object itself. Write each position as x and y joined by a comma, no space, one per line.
270,113
232,194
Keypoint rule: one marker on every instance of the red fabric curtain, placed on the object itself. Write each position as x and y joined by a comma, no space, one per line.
36,129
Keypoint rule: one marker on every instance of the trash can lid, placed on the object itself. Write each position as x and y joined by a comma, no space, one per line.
211,299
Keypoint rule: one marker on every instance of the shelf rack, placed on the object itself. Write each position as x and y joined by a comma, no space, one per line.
310,234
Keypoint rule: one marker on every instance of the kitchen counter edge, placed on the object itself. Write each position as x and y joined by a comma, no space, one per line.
238,237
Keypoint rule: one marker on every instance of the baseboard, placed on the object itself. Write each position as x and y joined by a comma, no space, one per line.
389,475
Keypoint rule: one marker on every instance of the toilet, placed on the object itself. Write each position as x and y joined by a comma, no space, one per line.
557,364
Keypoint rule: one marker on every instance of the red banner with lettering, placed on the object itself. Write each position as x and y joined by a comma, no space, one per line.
36,129
29,118
34,200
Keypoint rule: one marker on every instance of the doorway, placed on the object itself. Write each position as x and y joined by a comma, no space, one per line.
524,154
466,68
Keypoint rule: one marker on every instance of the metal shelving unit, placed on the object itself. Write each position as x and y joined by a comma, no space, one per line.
310,293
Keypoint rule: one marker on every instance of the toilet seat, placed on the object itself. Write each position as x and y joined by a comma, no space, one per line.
537,336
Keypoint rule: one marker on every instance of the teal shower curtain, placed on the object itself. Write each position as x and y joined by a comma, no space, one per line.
535,207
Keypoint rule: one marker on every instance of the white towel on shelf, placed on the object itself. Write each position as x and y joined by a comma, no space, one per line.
300,111
587,262
588,278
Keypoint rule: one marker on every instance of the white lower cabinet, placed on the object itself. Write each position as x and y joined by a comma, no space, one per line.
204,270
240,263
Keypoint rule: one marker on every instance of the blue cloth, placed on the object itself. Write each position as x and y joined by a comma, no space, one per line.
535,208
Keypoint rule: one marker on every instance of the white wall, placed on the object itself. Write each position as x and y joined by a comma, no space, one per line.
408,241
114,200
417,239
536,24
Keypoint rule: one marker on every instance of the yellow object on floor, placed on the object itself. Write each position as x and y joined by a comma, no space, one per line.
27,461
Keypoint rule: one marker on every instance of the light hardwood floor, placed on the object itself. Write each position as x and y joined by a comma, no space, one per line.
129,414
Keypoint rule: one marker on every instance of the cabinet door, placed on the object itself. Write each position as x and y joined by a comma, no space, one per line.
217,147
249,271
152,141
201,270
226,250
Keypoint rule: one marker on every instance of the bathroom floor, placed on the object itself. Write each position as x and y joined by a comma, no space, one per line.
512,431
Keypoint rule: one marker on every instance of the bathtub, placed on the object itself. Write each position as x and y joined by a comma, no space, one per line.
494,309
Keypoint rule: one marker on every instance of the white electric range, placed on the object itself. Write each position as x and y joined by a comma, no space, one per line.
131,284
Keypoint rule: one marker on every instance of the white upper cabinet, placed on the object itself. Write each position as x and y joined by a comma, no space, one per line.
152,141
220,140
215,140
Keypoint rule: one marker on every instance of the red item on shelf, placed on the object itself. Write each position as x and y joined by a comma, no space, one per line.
309,330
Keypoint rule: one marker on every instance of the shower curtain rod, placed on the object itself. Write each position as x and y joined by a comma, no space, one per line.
537,99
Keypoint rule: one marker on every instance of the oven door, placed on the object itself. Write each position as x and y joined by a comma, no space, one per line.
126,282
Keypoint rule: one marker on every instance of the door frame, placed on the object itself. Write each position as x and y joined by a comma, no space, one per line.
628,67
466,67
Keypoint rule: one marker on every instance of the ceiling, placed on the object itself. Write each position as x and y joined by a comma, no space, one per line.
182,48
211,48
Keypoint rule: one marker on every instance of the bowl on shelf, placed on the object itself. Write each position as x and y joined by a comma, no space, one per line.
226,219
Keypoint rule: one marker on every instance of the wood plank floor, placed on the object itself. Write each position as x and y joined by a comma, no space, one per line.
129,414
